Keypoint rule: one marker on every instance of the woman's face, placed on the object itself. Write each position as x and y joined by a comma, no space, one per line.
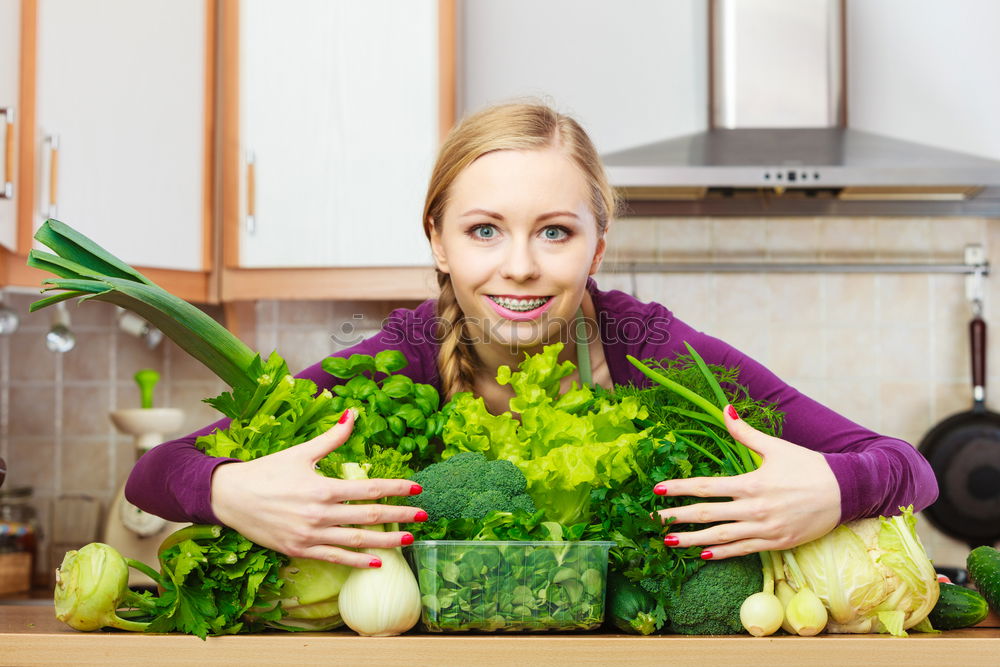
519,240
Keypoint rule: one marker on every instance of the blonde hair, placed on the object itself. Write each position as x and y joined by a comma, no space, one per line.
518,126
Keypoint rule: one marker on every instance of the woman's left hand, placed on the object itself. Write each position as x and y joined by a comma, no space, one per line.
792,498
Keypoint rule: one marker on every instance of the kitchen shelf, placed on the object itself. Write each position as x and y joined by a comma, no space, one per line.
30,635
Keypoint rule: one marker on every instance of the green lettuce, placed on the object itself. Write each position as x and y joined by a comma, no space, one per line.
566,443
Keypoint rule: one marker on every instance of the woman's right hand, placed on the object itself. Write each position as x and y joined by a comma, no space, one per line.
279,501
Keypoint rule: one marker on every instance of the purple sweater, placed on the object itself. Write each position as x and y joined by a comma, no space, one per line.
876,474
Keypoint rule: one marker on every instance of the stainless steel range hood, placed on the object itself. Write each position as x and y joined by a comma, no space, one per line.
777,130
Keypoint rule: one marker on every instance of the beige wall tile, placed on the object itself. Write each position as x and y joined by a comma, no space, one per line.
750,340
795,299
903,353
267,313
949,236
85,411
816,389
132,355
849,299
30,360
903,299
303,348
31,461
33,410
793,239
90,360
742,298
847,239
188,396
796,352
950,399
634,239
685,239
292,313
851,354
688,295
183,366
28,321
84,465
92,314
904,409
856,400
740,239
903,239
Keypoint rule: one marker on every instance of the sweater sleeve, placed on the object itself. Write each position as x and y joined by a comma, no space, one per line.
876,473
174,479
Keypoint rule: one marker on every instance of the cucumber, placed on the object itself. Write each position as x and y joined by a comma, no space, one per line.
983,564
957,607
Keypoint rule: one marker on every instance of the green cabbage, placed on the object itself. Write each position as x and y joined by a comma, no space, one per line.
872,575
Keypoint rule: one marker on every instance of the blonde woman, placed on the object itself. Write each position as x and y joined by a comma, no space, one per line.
517,214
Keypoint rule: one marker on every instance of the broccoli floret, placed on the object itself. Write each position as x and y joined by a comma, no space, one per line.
708,603
470,486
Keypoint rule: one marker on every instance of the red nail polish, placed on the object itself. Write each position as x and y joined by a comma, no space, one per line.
343,417
375,562
732,412
671,540
420,516
706,555
415,489
660,489
406,539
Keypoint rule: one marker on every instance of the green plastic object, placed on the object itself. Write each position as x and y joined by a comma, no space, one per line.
146,379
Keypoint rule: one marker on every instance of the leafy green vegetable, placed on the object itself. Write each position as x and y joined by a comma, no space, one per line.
511,586
565,444
683,437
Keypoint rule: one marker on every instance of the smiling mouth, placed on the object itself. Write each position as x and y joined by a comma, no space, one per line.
520,305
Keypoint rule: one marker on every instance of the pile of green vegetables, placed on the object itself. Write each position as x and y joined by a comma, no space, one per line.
572,468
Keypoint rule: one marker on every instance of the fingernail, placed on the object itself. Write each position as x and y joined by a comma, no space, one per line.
420,516
706,555
415,489
732,412
375,562
406,539
671,540
660,489
343,417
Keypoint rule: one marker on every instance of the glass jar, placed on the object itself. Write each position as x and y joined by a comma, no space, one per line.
18,521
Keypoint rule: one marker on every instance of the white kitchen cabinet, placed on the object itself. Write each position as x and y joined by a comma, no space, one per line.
926,71
10,44
339,127
121,109
631,73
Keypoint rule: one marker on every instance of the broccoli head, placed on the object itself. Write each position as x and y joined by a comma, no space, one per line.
470,486
708,603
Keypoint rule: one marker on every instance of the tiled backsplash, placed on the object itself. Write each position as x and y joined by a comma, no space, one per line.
887,350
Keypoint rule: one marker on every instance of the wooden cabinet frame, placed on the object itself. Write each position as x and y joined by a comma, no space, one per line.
354,283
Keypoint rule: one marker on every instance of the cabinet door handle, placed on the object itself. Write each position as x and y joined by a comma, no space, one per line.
53,141
251,222
8,153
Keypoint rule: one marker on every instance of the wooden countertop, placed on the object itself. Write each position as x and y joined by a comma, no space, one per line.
30,635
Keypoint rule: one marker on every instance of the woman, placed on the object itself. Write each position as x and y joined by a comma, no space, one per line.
516,214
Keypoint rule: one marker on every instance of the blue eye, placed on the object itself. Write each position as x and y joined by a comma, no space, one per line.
484,231
555,233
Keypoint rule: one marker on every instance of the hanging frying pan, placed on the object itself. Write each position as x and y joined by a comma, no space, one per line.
964,451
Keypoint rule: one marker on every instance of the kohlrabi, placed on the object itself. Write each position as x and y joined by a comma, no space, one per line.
92,585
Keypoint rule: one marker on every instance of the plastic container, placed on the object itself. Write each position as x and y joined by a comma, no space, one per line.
510,586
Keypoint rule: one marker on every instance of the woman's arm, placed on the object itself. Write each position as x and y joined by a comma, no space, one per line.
824,470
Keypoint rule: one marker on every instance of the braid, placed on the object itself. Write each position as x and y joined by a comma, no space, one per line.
456,359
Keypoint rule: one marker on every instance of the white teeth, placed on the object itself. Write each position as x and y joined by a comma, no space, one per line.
521,305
